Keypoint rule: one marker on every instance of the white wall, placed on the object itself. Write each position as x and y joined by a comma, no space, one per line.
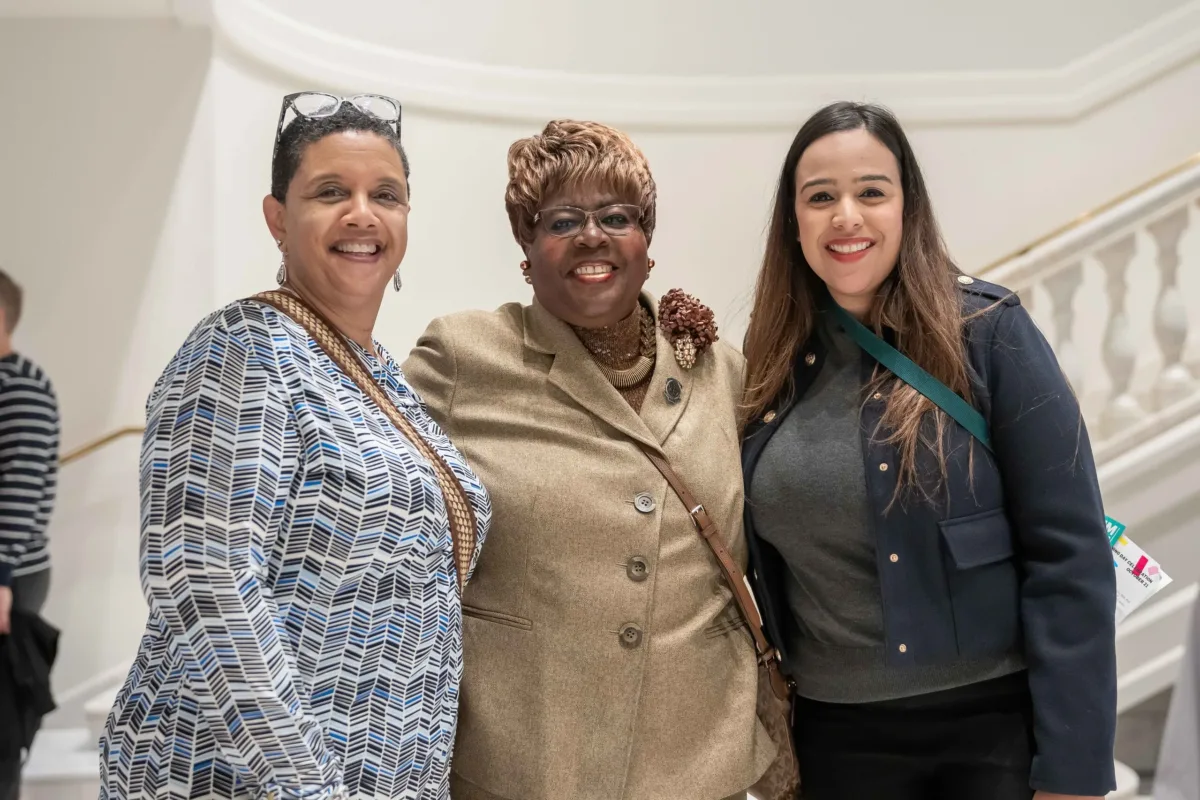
96,596
141,165
745,39
996,187
135,156
106,208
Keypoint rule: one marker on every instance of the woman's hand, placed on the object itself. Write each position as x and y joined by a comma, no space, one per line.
1053,796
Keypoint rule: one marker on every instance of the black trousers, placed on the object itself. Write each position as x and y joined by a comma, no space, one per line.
29,594
973,742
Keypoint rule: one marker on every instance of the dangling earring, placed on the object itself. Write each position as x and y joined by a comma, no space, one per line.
396,282
649,266
525,269
281,273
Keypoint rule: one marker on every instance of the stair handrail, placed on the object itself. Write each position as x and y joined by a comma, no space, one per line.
1077,283
99,443
1093,213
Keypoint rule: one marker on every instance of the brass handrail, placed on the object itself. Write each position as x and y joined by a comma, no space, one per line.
1095,212
91,447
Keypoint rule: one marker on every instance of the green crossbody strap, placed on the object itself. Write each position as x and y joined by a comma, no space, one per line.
903,368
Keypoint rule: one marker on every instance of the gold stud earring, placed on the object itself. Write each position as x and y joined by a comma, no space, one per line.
650,266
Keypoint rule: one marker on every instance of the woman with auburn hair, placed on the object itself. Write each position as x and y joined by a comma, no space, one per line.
929,550
606,654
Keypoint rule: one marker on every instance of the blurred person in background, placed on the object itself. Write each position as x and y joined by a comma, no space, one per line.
29,434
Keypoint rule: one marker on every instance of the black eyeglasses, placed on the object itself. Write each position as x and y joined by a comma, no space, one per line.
314,105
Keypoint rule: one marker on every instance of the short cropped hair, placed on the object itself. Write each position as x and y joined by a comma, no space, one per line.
10,301
303,131
569,153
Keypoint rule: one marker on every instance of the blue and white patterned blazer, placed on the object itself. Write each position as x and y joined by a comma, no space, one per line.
305,629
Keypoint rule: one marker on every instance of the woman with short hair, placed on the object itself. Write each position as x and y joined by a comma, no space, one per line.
306,527
606,657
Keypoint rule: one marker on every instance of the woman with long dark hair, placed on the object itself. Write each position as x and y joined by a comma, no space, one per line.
930,552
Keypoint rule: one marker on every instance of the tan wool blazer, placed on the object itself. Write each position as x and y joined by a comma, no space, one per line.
604,656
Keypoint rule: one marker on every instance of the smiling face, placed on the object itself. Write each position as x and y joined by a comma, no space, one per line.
591,279
849,213
344,225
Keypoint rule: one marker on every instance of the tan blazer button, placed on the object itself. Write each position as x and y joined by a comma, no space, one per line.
644,503
631,636
637,569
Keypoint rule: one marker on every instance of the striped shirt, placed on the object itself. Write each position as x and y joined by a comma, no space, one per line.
28,466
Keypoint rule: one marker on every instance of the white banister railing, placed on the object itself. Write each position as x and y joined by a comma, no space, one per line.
1118,295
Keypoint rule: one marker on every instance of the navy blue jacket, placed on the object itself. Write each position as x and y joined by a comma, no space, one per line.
1016,559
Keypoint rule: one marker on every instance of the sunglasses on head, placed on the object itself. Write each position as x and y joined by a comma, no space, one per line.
314,105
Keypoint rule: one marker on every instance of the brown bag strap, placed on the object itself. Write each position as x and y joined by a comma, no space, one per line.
458,507
768,656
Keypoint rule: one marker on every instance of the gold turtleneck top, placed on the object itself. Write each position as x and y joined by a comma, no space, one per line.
625,353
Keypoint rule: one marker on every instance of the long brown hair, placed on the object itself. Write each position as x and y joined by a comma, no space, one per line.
918,303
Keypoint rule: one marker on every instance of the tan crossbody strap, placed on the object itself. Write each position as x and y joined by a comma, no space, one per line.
767,655
458,507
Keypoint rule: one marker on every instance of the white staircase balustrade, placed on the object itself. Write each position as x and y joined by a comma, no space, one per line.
1114,297
1117,294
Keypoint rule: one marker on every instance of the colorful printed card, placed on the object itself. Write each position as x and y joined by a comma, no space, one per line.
1139,577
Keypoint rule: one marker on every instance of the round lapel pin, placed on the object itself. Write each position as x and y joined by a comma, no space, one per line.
674,391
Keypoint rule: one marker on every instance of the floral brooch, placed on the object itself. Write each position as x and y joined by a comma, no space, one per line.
688,324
